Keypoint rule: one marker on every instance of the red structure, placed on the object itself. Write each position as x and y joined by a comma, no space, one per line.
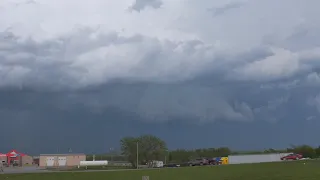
14,155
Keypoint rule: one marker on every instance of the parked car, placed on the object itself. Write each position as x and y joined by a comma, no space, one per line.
15,164
292,157
198,162
212,161
172,165
5,164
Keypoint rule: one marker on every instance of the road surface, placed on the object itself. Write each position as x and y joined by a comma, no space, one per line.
28,170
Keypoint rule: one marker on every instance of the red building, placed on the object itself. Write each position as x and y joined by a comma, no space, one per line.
19,158
13,156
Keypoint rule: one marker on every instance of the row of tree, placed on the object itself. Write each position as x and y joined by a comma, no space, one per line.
146,148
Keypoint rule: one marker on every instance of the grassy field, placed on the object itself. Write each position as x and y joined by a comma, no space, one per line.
266,171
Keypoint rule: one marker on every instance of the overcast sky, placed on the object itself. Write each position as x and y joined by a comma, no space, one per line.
219,73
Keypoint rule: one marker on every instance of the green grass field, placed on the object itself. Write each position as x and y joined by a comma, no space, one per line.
266,171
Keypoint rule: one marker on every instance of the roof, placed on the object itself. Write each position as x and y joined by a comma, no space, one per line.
261,154
76,154
14,153
2,155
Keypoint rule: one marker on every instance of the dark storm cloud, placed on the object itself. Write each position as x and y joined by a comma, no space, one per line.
212,94
97,72
168,66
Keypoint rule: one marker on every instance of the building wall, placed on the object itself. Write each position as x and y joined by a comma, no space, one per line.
71,159
255,158
36,160
27,160
3,158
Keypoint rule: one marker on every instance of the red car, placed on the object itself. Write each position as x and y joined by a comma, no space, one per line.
292,157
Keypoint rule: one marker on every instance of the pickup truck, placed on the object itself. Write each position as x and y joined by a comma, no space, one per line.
198,162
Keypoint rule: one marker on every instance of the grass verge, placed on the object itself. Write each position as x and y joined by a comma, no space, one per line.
264,171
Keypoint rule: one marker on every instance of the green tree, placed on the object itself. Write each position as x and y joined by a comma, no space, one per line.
305,150
170,157
223,151
149,148
129,149
180,155
318,151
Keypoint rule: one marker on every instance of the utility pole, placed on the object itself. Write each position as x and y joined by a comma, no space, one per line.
111,153
165,157
137,154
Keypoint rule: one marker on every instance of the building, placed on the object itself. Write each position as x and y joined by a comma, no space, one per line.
3,158
36,160
15,157
255,158
60,160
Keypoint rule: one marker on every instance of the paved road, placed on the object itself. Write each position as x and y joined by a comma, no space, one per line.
16,170
28,170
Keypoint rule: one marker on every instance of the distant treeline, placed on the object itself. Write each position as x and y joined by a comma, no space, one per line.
183,155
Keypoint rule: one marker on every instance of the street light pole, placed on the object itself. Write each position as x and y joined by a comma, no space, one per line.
111,153
137,154
165,157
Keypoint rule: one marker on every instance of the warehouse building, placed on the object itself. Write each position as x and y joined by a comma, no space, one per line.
60,160
255,158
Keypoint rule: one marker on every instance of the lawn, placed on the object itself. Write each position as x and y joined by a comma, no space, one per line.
266,171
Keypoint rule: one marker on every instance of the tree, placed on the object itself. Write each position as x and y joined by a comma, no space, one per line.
305,150
318,151
149,148
129,149
223,151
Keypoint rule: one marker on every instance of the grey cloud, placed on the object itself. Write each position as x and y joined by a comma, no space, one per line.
188,102
27,2
273,110
314,101
313,79
87,56
66,62
223,9
165,102
274,103
310,118
140,5
282,85
197,77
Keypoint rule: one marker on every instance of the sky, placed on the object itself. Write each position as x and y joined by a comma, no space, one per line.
206,73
